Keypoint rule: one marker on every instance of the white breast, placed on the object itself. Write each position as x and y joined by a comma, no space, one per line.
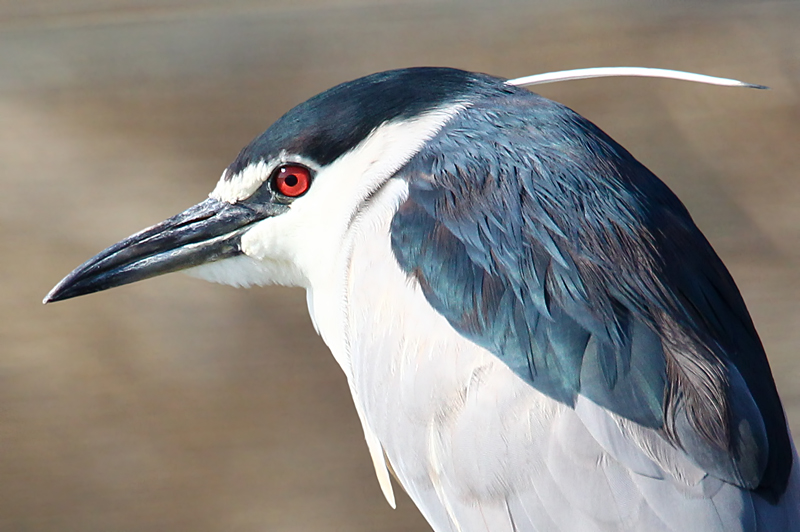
415,379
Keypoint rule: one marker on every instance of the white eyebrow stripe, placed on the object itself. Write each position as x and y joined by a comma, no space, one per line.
610,72
238,187
242,185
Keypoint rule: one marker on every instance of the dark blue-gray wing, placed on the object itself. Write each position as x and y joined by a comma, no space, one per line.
541,239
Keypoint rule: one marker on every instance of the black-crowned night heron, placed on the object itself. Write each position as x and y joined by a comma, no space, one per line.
535,333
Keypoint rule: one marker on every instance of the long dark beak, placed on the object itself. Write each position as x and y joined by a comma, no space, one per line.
207,232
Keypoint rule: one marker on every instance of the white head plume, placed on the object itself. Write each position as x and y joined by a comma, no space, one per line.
610,72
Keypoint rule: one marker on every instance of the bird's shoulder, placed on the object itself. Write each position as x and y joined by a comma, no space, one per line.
541,239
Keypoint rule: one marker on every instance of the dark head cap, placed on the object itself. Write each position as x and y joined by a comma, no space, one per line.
332,123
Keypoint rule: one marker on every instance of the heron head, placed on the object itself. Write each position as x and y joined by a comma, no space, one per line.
279,212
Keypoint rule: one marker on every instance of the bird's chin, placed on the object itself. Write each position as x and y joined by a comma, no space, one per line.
244,271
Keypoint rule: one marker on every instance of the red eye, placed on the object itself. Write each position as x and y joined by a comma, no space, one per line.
292,180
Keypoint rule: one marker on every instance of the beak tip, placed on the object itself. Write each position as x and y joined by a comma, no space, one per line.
56,294
67,288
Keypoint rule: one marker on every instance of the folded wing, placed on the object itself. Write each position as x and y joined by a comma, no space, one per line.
578,268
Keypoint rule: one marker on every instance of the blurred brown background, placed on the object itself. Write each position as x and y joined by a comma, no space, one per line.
183,406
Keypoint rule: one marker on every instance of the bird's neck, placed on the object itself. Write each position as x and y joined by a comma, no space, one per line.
329,293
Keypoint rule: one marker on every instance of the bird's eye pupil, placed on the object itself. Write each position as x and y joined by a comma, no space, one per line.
291,180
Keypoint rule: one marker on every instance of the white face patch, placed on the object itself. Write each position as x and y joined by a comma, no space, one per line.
304,246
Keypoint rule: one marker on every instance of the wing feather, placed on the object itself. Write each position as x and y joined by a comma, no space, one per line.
558,252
